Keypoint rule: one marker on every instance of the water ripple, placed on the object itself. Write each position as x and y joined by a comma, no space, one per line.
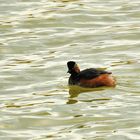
37,38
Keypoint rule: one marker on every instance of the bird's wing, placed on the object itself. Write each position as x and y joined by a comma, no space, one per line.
91,73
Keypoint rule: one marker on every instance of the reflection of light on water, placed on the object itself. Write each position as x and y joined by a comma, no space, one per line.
38,38
74,91
117,63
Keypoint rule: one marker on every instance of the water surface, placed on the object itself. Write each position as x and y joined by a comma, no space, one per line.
37,38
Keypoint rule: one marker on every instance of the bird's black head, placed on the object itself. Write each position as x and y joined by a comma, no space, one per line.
71,64
72,67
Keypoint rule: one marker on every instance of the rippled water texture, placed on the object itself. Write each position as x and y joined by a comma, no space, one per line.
37,38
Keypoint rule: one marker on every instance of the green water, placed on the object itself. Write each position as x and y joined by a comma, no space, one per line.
37,38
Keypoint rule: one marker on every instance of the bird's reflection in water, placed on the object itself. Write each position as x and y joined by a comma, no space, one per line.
74,91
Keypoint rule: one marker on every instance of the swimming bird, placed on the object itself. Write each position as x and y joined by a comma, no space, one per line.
90,77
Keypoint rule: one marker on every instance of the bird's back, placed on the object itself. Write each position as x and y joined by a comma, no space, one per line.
91,73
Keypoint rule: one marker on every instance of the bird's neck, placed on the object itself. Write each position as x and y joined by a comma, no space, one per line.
74,74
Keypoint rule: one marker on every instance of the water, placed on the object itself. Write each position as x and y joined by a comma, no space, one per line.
37,38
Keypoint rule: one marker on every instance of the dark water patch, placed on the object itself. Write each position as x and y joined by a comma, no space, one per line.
92,100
